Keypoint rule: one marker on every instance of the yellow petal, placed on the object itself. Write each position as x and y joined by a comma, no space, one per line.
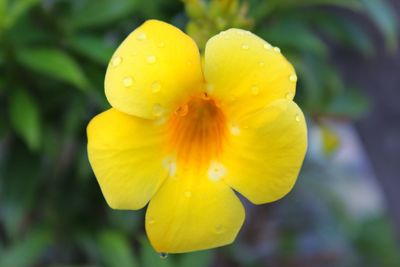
155,69
245,73
126,155
192,212
265,152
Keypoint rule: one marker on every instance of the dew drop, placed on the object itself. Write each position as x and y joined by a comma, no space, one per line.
267,46
151,59
188,194
219,229
297,117
216,171
157,110
156,87
182,110
293,78
245,46
116,61
277,49
255,90
127,81
289,95
235,130
261,63
141,36
163,255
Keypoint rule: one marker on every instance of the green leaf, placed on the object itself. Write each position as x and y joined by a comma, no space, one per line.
150,258
384,17
115,250
351,103
53,63
17,9
25,118
100,12
294,34
92,47
196,259
27,251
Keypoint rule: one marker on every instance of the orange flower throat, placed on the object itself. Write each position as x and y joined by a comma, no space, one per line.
197,131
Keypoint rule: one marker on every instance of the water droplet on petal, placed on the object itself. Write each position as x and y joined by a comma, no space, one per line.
188,194
255,90
235,130
116,61
297,117
261,63
289,96
216,171
156,87
182,110
277,49
293,78
141,36
151,221
267,46
163,255
151,59
127,81
245,46
157,110
209,88
219,229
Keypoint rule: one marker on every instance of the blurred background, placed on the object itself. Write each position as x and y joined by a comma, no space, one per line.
344,209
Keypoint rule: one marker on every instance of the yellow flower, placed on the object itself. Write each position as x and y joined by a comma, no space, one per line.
183,137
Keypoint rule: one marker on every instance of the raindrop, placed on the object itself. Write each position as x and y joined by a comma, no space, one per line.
116,61
157,110
277,49
255,90
267,46
151,221
219,229
163,255
293,78
245,46
127,81
182,110
141,36
289,95
151,59
156,87
297,117
235,130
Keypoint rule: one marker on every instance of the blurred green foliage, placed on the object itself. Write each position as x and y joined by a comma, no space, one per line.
53,56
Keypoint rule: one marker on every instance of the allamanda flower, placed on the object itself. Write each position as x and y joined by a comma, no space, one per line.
182,138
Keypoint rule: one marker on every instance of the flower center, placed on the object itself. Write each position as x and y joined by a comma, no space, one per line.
197,132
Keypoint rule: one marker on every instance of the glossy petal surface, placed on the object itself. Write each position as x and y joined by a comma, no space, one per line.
155,69
192,212
246,73
266,151
126,155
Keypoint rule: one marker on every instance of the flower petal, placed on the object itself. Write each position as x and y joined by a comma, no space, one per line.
266,152
153,71
245,73
126,156
192,213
